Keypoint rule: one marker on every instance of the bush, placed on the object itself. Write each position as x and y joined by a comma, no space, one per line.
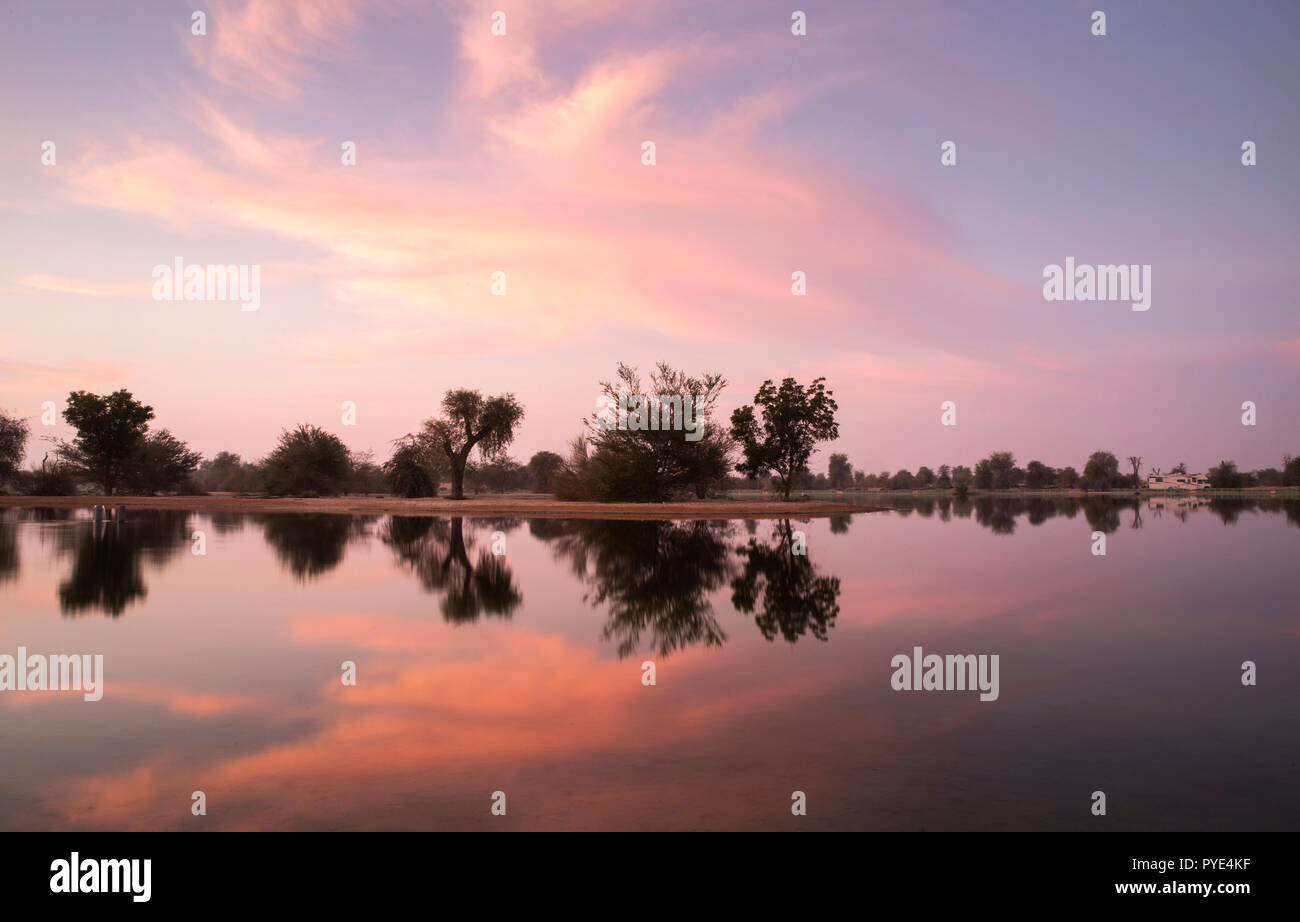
1226,476
410,472
308,460
55,480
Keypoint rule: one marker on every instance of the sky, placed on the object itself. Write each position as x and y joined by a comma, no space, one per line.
775,153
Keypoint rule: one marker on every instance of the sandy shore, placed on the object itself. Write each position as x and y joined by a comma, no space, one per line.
535,506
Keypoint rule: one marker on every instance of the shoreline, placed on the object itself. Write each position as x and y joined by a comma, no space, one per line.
530,506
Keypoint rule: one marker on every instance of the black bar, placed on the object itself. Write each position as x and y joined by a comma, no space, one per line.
655,873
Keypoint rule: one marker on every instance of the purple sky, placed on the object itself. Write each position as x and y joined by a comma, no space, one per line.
775,153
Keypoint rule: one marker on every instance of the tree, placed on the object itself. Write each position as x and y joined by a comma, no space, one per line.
228,473
962,478
840,472
1135,462
945,477
903,480
542,468
110,430
366,475
470,421
1291,471
162,462
411,471
649,444
1226,476
216,473
308,460
795,419
1179,468
1101,471
499,476
1038,475
924,477
13,438
1068,477
996,472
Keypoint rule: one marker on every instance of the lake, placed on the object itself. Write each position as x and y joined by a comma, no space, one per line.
523,672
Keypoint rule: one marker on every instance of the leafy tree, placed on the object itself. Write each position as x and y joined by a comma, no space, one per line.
924,477
162,462
903,480
1226,476
1270,477
499,476
13,438
471,421
1038,475
1068,477
945,477
962,479
1101,471
542,468
839,472
996,472
1291,471
110,431
228,473
410,471
795,419
366,475
215,473
630,460
1179,468
308,460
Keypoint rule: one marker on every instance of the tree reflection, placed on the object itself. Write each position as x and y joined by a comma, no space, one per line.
655,577
107,559
437,551
1000,513
794,599
310,544
8,550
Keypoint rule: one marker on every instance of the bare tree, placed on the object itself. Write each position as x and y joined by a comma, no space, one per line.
1136,462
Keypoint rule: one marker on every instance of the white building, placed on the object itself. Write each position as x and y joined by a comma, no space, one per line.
1178,482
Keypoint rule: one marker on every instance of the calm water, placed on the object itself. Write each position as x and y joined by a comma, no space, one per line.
522,673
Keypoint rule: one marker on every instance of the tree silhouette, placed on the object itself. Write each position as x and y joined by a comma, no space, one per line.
794,599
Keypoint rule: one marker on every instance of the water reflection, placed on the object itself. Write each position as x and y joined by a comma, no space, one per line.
1000,514
8,551
437,551
108,559
783,587
228,671
309,545
655,578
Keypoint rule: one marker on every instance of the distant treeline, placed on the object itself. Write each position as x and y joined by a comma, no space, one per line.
999,471
650,443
